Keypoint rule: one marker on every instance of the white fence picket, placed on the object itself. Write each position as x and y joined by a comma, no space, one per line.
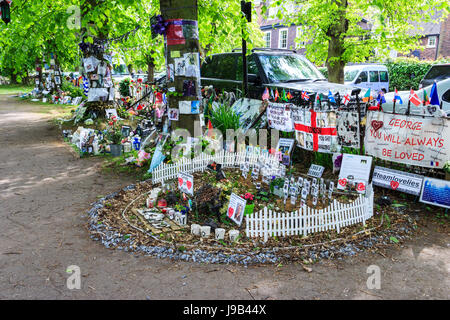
306,220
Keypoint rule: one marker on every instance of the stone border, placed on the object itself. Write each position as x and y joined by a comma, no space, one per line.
111,238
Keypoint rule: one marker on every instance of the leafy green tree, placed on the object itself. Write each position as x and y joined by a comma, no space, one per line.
336,34
37,28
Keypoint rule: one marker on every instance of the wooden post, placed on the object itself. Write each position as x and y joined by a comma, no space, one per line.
184,11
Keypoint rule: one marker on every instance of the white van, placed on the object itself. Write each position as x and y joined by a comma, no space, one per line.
373,76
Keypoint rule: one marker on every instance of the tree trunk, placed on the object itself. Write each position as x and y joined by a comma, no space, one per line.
185,10
151,72
13,78
97,106
336,49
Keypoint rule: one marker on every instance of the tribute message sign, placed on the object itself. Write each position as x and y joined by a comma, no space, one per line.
410,140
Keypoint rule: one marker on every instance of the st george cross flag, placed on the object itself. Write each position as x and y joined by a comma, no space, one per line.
305,96
316,131
346,99
331,97
397,97
277,95
434,98
266,94
414,98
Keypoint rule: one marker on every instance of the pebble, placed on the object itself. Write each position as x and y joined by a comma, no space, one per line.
114,239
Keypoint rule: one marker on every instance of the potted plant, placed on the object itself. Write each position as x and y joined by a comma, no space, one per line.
114,136
447,170
250,206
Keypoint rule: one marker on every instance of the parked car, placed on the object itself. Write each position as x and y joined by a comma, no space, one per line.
271,68
443,89
143,76
436,73
373,76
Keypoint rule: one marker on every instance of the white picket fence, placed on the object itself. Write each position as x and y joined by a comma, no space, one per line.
267,223
166,172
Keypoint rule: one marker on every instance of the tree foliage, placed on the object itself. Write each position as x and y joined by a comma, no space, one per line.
336,33
38,28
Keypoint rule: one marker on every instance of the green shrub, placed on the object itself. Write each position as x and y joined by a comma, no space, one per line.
74,91
124,87
406,73
224,117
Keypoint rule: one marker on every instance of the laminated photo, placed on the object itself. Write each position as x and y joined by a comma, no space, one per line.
236,208
192,64
348,129
173,114
90,64
171,75
186,183
189,88
180,65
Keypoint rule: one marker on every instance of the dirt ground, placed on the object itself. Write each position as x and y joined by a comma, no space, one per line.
45,190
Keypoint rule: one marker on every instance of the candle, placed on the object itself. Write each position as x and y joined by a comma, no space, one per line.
220,233
205,231
195,229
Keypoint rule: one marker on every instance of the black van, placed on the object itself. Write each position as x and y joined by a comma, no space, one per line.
271,68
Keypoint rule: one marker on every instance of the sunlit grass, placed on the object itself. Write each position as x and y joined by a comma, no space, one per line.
14,89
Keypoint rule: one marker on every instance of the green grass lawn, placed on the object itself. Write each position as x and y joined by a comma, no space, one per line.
14,89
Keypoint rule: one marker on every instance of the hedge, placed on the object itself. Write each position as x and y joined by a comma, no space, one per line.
406,73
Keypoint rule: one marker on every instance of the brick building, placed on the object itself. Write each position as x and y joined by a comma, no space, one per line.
278,35
435,39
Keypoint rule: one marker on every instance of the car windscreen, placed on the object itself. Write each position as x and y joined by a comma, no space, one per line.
438,72
281,68
350,75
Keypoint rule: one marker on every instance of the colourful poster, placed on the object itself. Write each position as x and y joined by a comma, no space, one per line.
348,129
316,131
436,192
279,116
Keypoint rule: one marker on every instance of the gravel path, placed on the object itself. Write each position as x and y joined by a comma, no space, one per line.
45,191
